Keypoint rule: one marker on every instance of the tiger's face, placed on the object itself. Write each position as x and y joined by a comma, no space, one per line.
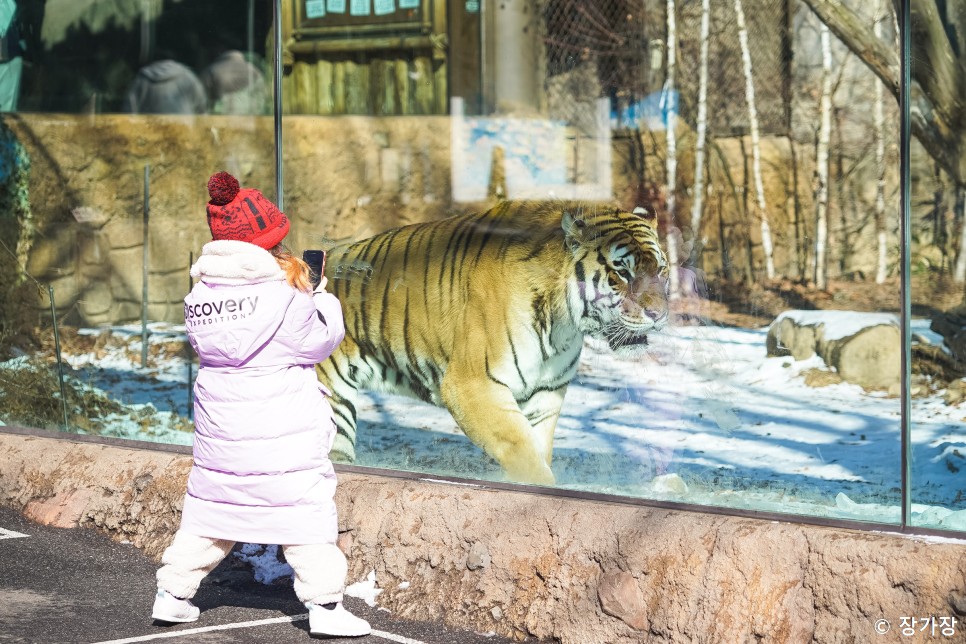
621,275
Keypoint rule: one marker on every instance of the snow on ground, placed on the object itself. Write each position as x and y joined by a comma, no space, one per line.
160,390
705,417
365,590
264,562
740,430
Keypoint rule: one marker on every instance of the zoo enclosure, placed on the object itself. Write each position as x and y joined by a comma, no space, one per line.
555,97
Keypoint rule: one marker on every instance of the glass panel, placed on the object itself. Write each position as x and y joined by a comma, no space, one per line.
506,190
109,105
938,262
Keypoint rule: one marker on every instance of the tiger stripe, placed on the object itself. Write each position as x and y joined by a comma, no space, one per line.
480,311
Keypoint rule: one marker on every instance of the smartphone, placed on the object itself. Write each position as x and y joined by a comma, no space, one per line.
316,261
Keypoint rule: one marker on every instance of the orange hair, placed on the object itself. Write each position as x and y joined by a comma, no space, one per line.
297,272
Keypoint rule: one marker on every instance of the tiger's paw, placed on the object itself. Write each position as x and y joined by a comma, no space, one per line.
539,475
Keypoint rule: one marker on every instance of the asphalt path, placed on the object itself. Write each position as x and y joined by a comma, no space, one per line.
78,586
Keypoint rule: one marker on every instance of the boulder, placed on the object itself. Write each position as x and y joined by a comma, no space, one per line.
863,348
871,358
787,338
951,325
621,597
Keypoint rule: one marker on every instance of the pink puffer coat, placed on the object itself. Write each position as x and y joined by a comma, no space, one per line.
263,427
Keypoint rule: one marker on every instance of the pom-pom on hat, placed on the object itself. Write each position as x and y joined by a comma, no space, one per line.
243,214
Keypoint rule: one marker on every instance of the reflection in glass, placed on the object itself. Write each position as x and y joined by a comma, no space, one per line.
768,393
124,110
511,199
938,265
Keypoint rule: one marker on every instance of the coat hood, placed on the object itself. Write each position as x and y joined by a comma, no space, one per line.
232,262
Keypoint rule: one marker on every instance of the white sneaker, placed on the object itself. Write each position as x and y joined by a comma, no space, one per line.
336,622
168,608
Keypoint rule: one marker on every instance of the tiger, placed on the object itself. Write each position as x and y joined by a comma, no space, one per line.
485,314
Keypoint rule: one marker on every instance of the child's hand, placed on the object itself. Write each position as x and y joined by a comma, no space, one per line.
322,284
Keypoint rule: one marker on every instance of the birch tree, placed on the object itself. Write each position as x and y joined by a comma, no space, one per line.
672,153
879,133
766,243
938,90
821,163
959,270
698,201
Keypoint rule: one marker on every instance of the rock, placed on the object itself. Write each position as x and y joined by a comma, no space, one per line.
97,299
64,510
957,601
954,520
951,325
669,484
821,377
862,348
344,542
955,392
871,358
786,338
620,597
478,557
843,502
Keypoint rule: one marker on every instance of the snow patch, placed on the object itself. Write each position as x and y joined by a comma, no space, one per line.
365,590
264,562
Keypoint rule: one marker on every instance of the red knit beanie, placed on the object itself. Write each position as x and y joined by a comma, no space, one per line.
243,214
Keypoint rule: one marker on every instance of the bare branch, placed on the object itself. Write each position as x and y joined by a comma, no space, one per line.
860,38
939,77
936,68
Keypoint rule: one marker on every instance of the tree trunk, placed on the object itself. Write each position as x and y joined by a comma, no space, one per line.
670,106
959,272
766,243
698,202
801,253
745,189
939,220
725,259
938,75
841,242
882,266
821,164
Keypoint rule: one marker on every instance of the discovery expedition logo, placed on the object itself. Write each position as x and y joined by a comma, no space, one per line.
222,311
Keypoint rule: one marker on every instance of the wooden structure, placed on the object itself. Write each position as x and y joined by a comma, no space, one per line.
380,57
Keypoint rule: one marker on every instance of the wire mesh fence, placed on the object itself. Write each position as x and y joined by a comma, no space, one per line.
618,49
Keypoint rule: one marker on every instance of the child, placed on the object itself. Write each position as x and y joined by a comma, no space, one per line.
263,426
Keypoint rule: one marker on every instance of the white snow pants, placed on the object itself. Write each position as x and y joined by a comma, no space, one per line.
320,568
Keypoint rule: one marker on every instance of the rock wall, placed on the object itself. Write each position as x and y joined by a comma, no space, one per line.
558,569
345,178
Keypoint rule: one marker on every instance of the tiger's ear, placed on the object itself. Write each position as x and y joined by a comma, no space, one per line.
645,213
574,230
